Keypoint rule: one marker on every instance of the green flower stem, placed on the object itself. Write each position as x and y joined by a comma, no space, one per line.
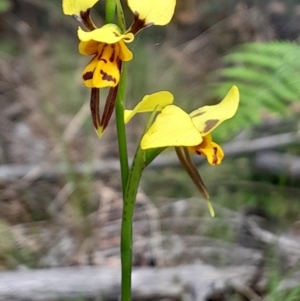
120,16
120,107
110,10
140,161
130,184
138,166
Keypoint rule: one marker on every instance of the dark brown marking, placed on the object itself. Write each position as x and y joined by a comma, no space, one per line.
102,50
137,24
85,19
209,124
103,60
198,114
198,152
107,77
112,57
215,157
88,75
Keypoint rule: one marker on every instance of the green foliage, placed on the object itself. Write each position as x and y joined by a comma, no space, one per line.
4,5
267,75
292,294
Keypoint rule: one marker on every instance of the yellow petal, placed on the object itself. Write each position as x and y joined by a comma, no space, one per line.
214,155
106,75
107,72
172,127
125,54
109,33
156,101
208,118
157,12
211,150
75,7
88,48
88,73
103,70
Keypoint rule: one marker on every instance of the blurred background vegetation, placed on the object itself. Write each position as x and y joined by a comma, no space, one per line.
56,200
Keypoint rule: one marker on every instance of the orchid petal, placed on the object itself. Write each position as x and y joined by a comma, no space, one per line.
109,34
75,7
106,75
88,48
156,101
103,71
207,118
88,73
211,150
157,12
125,54
172,127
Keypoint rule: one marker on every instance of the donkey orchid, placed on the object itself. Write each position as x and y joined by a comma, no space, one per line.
107,44
188,133
174,127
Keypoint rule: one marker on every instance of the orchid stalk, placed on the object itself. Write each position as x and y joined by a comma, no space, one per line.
168,125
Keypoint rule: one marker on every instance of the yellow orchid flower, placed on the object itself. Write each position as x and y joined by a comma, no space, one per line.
174,127
107,44
188,133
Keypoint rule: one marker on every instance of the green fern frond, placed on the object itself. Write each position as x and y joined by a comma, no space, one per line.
248,58
268,77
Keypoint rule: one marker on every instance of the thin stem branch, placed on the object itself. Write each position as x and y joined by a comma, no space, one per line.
110,10
127,216
122,141
120,16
